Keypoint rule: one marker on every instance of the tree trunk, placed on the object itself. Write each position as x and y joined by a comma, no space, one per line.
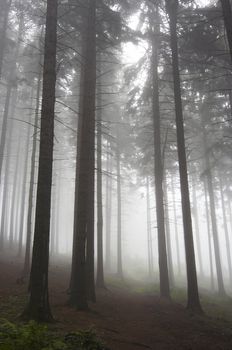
227,16
149,232
209,238
197,229
228,251
82,266
208,174
176,228
38,307
29,221
108,206
159,195
119,211
5,5
193,295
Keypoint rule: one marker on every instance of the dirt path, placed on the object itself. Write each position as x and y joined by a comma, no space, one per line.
123,319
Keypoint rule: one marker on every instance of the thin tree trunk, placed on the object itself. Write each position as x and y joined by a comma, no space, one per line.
38,307
29,228
208,174
228,251
6,5
197,229
119,211
108,209
193,294
159,195
227,16
209,238
149,232
100,283
176,229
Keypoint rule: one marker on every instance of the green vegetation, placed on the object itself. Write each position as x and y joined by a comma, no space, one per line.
38,337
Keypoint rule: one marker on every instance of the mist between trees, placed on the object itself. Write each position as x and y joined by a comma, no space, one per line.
115,145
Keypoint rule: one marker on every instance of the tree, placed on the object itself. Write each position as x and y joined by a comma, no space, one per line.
38,307
193,295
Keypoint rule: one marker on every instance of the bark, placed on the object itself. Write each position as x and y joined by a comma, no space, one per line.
100,272
209,238
5,6
108,207
159,195
208,174
168,232
176,228
228,251
227,16
22,205
29,219
119,211
193,295
82,266
197,229
38,307
149,232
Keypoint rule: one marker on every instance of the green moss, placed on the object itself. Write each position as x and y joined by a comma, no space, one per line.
38,337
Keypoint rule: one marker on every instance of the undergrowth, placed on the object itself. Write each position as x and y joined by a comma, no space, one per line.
33,336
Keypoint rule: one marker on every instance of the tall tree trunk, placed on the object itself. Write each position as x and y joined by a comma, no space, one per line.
193,295
82,266
149,232
119,210
163,262
209,237
5,7
38,307
100,272
108,206
228,251
5,192
24,185
29,220
168,232
197,229
176,228
208,174
227,16
10,85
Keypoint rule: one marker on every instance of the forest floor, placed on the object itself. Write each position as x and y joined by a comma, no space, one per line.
126,317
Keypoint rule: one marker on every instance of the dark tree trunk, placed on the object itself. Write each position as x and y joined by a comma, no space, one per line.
208,174
100,272
197,229
227,16
176,228
149,232
5,8
22,205
163,262
108,206
38,307
228,251
209,238
82,266
168,232
193,295
29,220
119,210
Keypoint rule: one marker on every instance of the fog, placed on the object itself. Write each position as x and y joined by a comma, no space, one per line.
115,161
